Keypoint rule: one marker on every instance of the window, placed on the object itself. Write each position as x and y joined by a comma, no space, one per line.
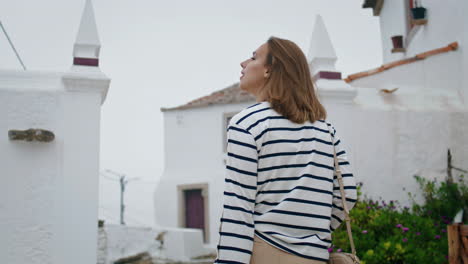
226,119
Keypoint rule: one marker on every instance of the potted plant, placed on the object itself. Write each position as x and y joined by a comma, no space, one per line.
418,11
397,43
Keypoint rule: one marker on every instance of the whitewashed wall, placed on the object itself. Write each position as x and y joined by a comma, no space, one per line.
119,241
194,154
464,52
446,23
392,22
49,191
428,111
175,244
388,147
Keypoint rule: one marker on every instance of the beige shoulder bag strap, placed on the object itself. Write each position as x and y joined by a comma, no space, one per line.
343,198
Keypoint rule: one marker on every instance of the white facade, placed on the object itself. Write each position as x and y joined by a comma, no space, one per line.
432,93
49,195
447,22
49,190
390,137
194,155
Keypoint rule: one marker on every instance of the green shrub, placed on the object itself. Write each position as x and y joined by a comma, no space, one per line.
444,199
384,232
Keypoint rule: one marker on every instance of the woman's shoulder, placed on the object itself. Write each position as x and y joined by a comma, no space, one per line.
251,114
325,125
325,122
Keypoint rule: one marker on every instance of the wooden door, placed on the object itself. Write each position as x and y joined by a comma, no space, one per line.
194,209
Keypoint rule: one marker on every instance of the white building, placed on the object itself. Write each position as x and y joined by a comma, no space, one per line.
49,190
397,120
194,161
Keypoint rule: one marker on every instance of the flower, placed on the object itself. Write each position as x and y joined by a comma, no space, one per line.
443,231
399,225
364,231
437,237
418,233
399,248
368,207
330,249
339,250
387,244
405,229
405,239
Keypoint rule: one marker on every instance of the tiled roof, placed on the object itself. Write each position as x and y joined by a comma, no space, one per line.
387,66
230,95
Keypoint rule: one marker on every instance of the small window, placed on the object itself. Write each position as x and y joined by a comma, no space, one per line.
226,119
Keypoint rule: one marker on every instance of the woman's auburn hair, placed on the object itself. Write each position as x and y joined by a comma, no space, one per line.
289,88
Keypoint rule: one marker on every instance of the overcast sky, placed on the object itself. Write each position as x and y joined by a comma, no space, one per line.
166,53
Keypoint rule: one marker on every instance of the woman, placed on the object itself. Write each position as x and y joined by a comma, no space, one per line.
281,201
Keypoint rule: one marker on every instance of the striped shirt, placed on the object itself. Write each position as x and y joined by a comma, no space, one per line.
280,185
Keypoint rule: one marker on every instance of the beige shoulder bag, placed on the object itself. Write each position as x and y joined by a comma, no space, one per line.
341,257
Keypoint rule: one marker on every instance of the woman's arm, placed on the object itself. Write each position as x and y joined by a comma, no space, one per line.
348,182
237,225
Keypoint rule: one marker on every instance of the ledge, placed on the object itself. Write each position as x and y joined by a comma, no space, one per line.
418,22
84,80
19,80
395,50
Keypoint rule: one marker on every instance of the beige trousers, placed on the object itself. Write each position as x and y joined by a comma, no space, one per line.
264,253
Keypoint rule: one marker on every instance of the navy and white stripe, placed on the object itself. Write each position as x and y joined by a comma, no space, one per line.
281,186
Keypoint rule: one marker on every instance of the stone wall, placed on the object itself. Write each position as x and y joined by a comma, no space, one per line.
126,244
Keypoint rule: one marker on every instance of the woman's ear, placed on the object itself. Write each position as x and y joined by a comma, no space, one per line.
266,73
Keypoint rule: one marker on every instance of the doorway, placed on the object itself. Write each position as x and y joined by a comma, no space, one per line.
193,207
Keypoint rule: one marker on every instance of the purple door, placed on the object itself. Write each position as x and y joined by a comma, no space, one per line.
194,209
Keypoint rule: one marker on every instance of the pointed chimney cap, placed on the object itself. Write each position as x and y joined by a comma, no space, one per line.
87,33
321,51
87,44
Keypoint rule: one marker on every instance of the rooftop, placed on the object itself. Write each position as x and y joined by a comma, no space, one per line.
229,95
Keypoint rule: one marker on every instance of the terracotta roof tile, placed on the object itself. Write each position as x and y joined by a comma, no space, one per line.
387,66
229,95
